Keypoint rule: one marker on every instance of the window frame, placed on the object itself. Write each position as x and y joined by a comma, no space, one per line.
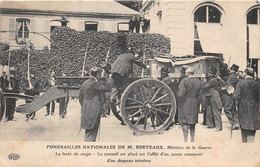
23,32
196,40
122,30
93,22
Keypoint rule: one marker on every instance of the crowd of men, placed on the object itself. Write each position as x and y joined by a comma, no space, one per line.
239,99
136,22
32,88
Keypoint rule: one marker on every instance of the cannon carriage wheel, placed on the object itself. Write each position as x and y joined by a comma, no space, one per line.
148,106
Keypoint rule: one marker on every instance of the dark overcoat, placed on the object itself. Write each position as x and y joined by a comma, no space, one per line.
247,94
123,65
189,93
211,87
91,100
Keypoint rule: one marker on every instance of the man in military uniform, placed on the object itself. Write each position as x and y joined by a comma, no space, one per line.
12,86
247,95
33,90
215,104
3,80
228,101
189,94
49,82
91,100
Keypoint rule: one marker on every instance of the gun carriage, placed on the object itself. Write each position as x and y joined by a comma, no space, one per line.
147,105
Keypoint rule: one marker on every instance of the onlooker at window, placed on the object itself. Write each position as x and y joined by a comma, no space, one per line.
137,24
131,24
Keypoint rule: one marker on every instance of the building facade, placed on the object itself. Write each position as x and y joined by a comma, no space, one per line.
229,29
34,21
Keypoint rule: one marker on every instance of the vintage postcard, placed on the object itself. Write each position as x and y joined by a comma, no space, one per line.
130,83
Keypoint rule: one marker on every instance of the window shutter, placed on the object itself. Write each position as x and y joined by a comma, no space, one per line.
12,29
114,27
101,27
33,26
47,27
81,26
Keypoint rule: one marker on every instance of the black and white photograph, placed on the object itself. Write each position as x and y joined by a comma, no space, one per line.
130,83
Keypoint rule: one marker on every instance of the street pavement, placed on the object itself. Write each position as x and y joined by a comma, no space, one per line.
53,128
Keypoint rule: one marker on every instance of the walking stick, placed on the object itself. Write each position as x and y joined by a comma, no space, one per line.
233,119
232,125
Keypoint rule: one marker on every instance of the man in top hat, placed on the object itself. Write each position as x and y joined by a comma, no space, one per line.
247,94
214,106
189,94
228,101
121,68
91,100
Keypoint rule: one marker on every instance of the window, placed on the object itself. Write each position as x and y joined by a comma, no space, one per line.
207,14
91,26
253,17
22,26
206,42
253,38
122,27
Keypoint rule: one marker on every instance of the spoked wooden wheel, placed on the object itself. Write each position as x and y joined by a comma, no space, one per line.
2,105
115,110
148,106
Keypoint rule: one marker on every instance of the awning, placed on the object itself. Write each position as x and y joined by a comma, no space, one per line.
211,37
254,41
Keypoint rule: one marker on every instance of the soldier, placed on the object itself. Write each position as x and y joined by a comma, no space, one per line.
13,86
215,104
33,91
49,83
3,80
176,85
247,95
90,98
189,94
228,102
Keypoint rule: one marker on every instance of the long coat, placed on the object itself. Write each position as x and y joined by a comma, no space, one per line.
211,87
247,94
189,93
123,65
91,100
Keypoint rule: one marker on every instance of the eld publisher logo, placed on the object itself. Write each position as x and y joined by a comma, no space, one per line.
13,156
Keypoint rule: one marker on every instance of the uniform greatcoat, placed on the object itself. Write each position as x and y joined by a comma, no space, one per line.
189,94
247,94
215,104
91,100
